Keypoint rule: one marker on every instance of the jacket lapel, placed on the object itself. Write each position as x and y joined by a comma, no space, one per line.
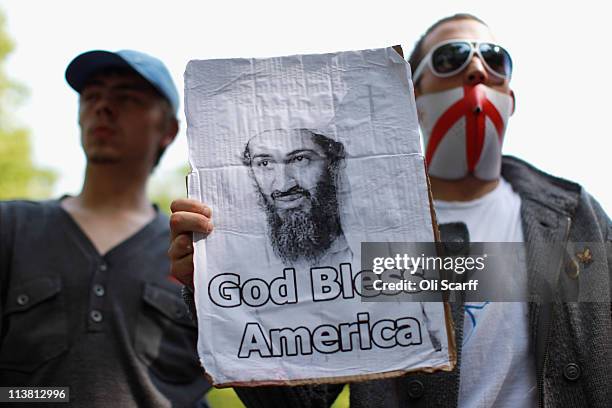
547,206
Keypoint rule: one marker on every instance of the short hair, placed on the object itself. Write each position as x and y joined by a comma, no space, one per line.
417,52
333,150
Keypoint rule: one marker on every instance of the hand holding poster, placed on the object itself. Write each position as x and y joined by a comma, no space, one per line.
302,159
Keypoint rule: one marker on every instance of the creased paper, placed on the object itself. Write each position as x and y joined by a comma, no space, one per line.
301,159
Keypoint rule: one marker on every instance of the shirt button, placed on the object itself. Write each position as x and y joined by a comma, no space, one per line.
103,267
23,299
571,372
98,290
96,316
415,389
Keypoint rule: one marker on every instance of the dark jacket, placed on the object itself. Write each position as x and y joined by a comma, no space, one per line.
572,341
111,327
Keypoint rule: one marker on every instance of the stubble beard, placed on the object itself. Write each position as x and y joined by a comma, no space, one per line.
100,153
102,159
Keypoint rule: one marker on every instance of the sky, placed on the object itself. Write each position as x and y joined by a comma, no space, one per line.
561,55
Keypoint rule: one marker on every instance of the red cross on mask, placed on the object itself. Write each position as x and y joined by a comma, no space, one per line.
463,130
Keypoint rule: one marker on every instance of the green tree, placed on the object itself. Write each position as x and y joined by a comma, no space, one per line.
19,177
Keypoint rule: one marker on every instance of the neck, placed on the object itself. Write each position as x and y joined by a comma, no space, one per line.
466,189
114,188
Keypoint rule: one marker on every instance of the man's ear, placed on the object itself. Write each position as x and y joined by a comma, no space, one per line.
513,101
416,95
170,133
417,92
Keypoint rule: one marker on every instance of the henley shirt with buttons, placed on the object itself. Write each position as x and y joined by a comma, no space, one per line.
111,327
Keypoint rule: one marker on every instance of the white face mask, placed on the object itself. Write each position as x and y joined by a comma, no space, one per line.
464,130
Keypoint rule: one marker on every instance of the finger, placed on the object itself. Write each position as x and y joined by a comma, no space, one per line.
187,222
179,247
188,205
182,270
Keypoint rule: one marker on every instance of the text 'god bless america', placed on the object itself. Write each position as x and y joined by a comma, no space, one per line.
228,290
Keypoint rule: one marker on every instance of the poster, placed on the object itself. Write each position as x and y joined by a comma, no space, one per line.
303,158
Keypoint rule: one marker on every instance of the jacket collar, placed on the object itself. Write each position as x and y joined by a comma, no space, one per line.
531,184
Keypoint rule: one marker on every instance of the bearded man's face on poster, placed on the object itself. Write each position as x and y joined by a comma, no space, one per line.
296,173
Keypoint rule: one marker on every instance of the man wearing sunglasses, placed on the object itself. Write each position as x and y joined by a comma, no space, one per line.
508,357
510,354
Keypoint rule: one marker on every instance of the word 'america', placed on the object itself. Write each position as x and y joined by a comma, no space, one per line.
327,338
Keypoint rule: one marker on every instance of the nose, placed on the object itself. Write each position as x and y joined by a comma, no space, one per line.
475,73
284,178
104,105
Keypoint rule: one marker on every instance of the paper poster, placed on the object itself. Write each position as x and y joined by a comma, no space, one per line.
301,159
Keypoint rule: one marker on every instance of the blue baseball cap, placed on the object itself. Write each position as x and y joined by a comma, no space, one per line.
150,68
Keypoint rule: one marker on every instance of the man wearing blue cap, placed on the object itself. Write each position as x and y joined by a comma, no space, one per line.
86,300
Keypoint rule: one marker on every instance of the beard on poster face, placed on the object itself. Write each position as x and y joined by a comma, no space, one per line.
303,224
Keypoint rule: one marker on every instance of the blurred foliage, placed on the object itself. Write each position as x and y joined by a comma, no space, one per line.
168,186
223,398
343,399
19,177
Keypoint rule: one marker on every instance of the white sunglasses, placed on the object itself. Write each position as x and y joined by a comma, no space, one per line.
450,57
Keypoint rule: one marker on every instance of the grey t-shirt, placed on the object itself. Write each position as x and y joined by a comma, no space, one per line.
113,328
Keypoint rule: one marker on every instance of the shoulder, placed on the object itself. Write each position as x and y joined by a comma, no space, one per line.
561,195
17,219
26,218
17,210
27,205
526,179
536,185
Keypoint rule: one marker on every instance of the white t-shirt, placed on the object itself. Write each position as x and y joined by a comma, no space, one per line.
497,366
